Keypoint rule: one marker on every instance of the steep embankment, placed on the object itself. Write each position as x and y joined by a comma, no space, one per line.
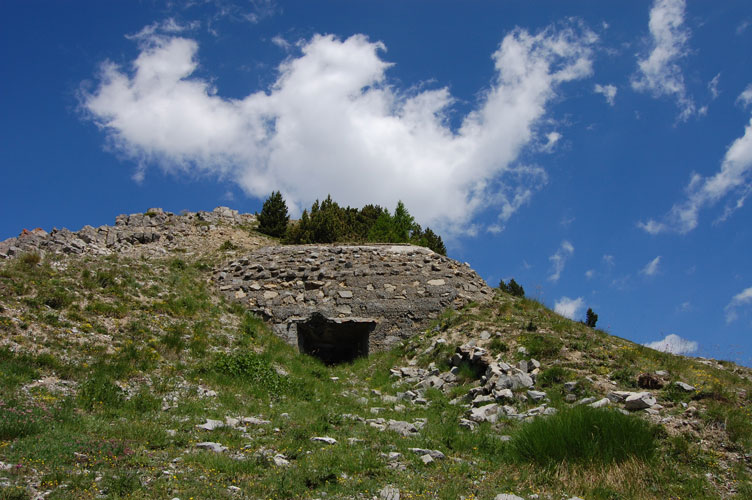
131,375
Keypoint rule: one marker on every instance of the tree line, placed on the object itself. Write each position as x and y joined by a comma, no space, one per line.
328,222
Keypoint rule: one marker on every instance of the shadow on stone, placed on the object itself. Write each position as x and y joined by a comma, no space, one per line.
334,340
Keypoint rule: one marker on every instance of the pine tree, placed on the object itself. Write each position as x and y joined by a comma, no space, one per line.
273,218
591,318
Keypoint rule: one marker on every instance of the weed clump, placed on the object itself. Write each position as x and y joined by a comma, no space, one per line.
595,436
250,367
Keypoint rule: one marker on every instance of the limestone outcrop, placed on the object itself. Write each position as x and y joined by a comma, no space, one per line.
400,287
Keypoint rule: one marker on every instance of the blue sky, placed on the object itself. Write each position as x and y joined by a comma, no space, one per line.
598,152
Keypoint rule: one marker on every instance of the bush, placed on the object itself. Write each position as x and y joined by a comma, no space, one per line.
273,218
584,435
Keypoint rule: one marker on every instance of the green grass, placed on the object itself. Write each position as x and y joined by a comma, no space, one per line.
584,435
171,333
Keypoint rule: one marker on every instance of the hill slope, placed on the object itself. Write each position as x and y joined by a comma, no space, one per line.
129,375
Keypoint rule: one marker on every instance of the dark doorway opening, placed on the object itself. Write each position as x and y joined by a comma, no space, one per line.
335,340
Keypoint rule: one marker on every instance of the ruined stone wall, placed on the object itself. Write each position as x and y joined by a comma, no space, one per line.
401,286
163,229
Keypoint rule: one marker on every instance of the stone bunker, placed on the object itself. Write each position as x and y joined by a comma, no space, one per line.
342,302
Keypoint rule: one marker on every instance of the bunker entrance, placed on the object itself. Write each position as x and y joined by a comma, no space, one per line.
335,340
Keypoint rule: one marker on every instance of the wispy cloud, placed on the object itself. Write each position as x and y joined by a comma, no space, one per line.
590,273
713,86
659,72
734,177
741,299
559,260
570,308
332,123
608,91
651,268
673,344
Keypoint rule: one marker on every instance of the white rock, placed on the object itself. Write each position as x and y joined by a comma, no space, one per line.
210,425
507,496
211,446
389,493
600,403
685,387
639,401
324,439
435,454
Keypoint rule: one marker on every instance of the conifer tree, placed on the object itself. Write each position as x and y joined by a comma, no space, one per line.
273,218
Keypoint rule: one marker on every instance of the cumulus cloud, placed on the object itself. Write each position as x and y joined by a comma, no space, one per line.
559,259
590,273
332,123
741,299
608,91
659,72
673,344
569,308
745,98
651,268
735,176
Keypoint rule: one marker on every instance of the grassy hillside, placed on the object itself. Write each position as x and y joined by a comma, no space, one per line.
109,365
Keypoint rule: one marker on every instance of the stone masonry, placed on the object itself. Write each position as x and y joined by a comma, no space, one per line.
401,287
130,231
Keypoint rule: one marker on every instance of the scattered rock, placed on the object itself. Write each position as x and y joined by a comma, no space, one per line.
685,387
324,439
211,446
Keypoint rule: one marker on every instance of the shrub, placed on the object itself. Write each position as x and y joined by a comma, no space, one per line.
584,435
30,259
273,218
227,246
591,318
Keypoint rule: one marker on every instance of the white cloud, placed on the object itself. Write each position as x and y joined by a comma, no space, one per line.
590,273
651,268
609,260
745,98
569,308
713,86
734,177
659,72
741,299
280,42
673,344
552,138
331,123
608,91
559,259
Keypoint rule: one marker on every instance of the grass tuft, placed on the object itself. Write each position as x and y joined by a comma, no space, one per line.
584,435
